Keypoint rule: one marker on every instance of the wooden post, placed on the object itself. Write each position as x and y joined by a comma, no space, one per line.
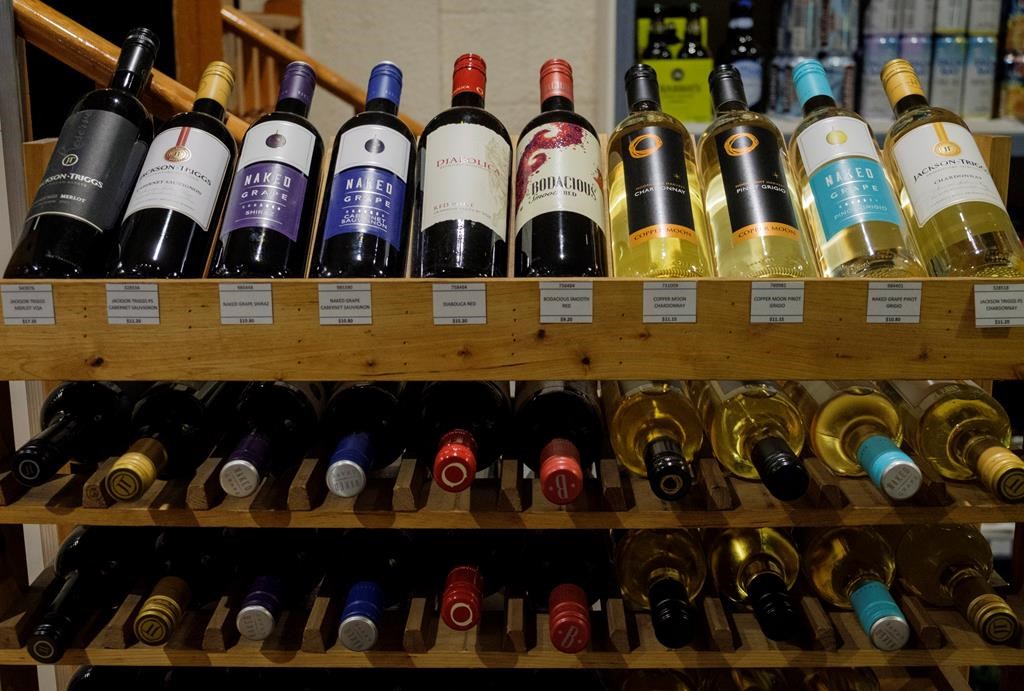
198,38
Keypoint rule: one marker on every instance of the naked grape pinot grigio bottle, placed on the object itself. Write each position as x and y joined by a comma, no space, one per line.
168,227
464,164
77,208
269,216
365,213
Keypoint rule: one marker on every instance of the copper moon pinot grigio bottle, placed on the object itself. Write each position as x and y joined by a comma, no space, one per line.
366,209
71,223
168,228
464,165
269,216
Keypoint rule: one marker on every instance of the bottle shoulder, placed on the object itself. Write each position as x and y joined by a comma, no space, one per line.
916,117
279,116
649,118
741,118
465,115
830,113
378,118
551,116
119,102
205,122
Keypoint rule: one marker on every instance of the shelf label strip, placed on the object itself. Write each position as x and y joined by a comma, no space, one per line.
998,305
133,303
460,303
246,303
894,303
345,304
567,302
28,304
777,302
670,302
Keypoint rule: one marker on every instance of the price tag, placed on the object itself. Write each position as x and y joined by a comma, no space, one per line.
345,303
28,303
670,302
567,303
133,303
777,302
460,303
246,303
894,303
1000,304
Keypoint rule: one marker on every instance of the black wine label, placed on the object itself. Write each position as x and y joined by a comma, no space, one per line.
91,171
753,176
657,191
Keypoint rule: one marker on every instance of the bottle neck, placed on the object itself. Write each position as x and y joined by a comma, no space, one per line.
968,447
645,107
731,107
693,30
468,98
909,103
133,68
382,105
209,107
556,103
757,566
293,106
819,102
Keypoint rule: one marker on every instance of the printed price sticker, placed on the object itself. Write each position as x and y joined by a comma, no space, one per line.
345,303
670,302
28,303
777,302
133,303
1000,304
567,303
894,303
246,303
460,303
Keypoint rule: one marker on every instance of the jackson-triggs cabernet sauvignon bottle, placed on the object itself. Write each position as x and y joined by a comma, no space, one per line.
168,227
269,216
560,211
79,203
365,212
464,164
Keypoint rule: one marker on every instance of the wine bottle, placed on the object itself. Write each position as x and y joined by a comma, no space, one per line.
366,210
463,172
461,428
743,680
475,564
169,226
281,421
654,196
758,567
74,215
376,574
655,432
116,679
269,216
755,431
962,431
660,37
693,47
950,565
853,568
558,432
174,428
841,679
851,211
854,428
955,212
659,680
559,203
663,571
743,53
82,422
367,421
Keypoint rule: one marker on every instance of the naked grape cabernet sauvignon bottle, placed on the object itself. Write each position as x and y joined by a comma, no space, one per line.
269,216
377,570
559,193
365,212
168,228
464,164
71,224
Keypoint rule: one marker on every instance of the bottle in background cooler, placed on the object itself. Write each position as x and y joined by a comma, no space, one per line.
917,16
662,36
983,17
693,47
878,50
948,65
743,52
917,50
980,76
951,17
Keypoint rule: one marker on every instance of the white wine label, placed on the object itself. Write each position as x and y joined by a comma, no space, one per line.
670,302
133,303
834,138
1000,304
894,303
246,303
567,303
941,166
28,304
345,303
777,302
460,303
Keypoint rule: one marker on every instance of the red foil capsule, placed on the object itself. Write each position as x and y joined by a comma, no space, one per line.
455,462
462,600
555,79
470,74
569,618
561,476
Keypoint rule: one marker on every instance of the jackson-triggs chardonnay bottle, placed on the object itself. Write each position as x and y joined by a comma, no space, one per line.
850,208
756,225
955,211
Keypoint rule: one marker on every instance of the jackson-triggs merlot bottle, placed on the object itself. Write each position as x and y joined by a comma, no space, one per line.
80,202
269,216
463,171
365,214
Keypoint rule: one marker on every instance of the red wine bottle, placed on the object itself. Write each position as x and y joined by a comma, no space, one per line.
475,564
79,204
464,170
559,193
116,679
559,432
375,573
365,212
168,228
269,216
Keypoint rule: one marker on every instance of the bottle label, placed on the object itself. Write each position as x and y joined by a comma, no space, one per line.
846,175
756,193
941,166
465,177
91,169
368,190
752,74
559,170
658,202
183,172
270,181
